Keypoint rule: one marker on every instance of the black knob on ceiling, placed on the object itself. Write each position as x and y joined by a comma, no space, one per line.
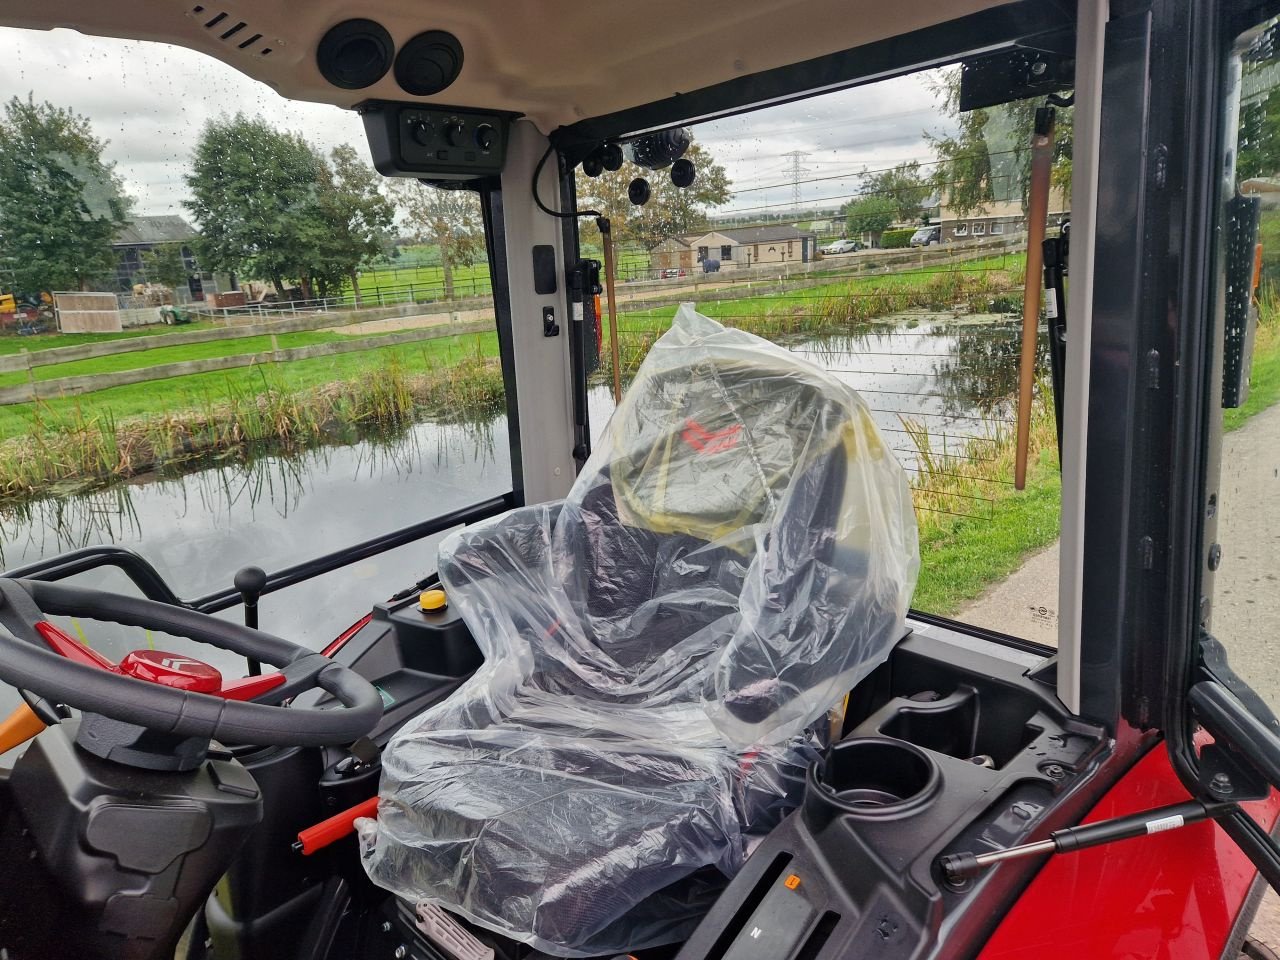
611,155
682,172
428,63
638,192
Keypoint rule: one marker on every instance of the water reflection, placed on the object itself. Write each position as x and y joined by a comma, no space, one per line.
955,377
272,509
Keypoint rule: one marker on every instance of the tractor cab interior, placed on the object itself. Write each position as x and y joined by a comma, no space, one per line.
704,674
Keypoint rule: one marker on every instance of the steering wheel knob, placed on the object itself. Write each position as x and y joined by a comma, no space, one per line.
172,670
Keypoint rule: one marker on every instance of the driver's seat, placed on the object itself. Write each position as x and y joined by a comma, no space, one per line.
660,650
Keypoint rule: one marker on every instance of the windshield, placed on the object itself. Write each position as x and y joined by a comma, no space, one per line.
229,341
881,234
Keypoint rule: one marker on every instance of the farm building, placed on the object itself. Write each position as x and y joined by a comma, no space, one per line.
737,248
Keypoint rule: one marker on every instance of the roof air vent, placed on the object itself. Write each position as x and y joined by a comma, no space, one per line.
428,63
355,54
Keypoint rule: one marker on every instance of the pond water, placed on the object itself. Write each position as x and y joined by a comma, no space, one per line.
198,528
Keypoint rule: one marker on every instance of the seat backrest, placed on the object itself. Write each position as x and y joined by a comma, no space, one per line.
741,540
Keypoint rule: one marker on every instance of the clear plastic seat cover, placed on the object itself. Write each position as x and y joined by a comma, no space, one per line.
660,651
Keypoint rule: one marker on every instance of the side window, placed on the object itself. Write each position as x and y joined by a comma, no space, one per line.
1245,604
253,349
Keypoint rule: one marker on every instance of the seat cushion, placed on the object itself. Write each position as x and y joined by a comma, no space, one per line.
556,833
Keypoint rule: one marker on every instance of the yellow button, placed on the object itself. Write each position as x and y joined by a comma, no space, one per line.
432,600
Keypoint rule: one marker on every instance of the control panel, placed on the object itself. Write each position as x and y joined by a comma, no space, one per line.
440,143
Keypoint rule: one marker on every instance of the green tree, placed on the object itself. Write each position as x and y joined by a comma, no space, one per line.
670,212
61,204
988,157
354,217
254,193
449,219
904,186
1259,151
871,214
164,264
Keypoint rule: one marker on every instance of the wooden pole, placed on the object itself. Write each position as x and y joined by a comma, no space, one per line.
606,234
1037,213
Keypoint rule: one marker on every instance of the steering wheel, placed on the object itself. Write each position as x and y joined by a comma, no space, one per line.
171,693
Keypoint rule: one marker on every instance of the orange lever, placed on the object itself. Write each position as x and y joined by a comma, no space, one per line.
19,727
335,828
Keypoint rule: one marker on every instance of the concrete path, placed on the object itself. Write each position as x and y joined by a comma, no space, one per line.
1247,593
412,323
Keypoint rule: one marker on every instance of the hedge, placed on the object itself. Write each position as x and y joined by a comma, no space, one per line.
893,239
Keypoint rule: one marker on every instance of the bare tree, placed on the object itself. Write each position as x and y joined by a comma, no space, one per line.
449,219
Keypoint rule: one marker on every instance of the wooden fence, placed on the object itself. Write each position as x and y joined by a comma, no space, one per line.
73,386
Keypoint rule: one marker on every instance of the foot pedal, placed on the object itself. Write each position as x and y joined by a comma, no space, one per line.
448,934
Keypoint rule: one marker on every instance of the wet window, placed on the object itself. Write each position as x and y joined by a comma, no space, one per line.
822,205
224,338
1245,603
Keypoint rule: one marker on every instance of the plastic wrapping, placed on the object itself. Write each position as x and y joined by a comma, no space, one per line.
660,648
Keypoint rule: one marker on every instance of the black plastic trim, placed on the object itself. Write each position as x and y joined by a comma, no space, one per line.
983,633
495,239
222,599
933,46
143,575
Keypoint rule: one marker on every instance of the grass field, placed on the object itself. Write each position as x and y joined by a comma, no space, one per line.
189,351
420,266
50,341
160,398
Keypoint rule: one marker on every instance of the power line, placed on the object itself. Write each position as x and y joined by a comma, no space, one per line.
796,170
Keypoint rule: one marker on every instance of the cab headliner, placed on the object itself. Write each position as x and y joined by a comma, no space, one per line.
554,61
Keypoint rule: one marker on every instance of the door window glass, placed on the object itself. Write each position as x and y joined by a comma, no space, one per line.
1245,559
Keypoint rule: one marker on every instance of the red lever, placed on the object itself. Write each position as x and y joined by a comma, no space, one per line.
250,688
335,828
71,648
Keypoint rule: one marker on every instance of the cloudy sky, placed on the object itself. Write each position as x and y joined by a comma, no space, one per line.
151,100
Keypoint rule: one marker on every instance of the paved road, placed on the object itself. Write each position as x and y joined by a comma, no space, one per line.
1247,593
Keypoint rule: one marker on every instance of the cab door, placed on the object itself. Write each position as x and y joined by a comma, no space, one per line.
1212,291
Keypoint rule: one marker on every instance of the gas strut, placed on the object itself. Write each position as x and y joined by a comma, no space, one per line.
962,866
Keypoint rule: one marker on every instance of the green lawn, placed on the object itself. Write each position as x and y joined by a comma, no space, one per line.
959,559
176,354
420,266
1264,380
48,341
193,392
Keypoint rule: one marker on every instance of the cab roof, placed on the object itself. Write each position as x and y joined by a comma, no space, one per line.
554,61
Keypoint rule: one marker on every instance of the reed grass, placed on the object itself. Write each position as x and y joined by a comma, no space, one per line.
81,447
859,306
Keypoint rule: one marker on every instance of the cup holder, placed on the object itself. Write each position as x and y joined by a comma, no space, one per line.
873,777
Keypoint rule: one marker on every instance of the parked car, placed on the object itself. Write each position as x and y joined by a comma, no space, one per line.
926,236
843,246
671,273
